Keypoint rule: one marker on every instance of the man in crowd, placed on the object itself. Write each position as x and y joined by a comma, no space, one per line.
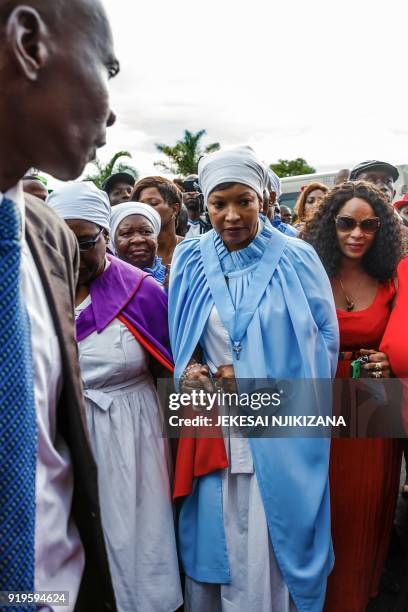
342,176
381,174
119,187
384,176
199,222
54,110
286,214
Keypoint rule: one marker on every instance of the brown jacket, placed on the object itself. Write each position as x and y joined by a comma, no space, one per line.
56,254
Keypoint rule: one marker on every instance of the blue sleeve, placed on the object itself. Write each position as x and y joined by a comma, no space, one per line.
319,294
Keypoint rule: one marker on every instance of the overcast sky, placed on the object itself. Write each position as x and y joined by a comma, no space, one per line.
321,80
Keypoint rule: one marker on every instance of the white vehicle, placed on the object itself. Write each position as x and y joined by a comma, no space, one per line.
292,185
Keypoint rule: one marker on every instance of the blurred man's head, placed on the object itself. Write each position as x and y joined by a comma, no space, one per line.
381,174
119,187
286,214
55,61
192,197
342,176
33,185
268,203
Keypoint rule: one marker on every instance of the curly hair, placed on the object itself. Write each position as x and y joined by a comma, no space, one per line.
381,259
299,208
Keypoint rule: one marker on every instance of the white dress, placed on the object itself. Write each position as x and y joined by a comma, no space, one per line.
256,580
125,424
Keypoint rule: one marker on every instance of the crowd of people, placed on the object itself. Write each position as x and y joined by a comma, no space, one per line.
203,281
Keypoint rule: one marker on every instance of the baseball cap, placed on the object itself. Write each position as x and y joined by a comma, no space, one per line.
118,177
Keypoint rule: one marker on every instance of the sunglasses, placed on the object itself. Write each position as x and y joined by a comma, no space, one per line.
348,224
87,245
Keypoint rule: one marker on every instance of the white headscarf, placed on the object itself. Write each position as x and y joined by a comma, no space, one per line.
239,165
273,182
81,201
121,211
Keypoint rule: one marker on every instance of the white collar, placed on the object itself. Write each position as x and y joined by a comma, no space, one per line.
16,194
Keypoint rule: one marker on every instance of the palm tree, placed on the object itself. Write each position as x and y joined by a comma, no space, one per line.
103,171
183,157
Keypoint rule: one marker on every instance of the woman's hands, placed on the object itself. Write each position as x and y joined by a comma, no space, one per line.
196,377
225,375
378,365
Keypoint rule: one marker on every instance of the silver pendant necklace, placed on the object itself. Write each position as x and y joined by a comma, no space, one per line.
349,301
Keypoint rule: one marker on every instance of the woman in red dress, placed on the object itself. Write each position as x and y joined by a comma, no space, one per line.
395,343
358,238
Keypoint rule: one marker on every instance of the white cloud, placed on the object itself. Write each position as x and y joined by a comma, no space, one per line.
322,80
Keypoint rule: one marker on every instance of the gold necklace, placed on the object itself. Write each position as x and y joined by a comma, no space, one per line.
349,301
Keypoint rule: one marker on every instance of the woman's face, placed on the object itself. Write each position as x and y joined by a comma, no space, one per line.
355,243
234,214
92,262
153,197
136,242
312,202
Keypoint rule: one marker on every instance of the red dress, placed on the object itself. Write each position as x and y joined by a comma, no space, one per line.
395,340
364,480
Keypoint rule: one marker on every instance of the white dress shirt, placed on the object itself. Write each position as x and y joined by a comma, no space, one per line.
59,555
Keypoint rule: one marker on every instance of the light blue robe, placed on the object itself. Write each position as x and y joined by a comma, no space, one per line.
283,323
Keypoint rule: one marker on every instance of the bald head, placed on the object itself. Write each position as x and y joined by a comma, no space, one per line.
54,10
55,58
35,187
62,16
51,11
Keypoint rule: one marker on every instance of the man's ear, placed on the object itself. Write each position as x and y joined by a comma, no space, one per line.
27,37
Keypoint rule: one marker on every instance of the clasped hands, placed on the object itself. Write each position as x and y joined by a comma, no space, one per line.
197,377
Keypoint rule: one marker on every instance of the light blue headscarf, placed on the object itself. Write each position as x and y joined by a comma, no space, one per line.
239,165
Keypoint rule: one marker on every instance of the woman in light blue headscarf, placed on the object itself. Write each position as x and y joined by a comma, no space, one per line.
247,302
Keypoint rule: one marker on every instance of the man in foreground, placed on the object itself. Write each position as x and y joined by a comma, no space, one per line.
50,529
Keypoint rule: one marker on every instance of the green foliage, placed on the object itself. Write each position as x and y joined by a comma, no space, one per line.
292,167
184,155
103,171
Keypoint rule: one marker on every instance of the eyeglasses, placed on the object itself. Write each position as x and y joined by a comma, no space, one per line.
87,245
348,224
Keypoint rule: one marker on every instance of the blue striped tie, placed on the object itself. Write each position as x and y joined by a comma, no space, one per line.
18,438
